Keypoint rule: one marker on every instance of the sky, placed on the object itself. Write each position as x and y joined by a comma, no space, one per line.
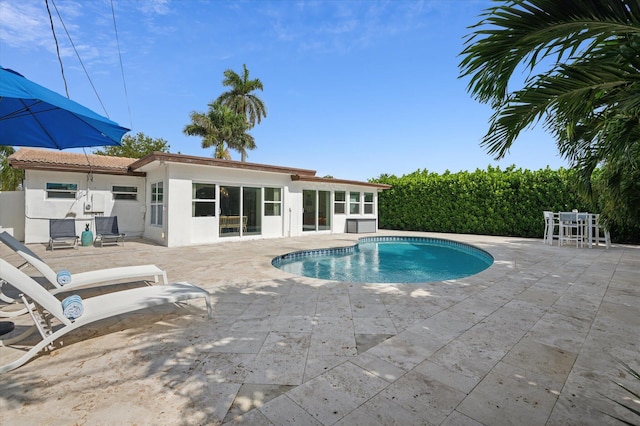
353,89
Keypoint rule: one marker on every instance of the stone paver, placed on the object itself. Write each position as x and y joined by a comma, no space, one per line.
532,340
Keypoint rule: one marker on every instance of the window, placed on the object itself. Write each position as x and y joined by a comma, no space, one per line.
354,202
368,203
272,201
61,190
157,208
339,203
125,192
204,199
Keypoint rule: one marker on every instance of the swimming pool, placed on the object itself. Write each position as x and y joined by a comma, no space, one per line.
389,260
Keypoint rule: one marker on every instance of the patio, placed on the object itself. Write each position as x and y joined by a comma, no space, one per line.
532,340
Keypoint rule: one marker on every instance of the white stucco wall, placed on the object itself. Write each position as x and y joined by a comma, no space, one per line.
39,209
179,228
183,229
12,213
338,221
155,233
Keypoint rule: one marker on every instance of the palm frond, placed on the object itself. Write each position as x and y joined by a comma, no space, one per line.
522,33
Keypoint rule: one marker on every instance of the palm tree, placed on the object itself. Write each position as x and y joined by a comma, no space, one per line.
10,178
221,128
240,98
583,63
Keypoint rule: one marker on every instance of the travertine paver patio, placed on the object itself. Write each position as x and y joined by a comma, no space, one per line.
532,340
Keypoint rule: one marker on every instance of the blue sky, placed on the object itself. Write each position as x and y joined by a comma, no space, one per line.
353,89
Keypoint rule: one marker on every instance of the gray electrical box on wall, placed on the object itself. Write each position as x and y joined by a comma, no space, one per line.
98,203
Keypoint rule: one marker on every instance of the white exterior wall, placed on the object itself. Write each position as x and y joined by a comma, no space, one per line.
97,192
183,229
178,228
155,233
338,221
12,213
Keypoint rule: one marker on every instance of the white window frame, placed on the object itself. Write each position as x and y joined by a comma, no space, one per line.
126,191
195,200
368,205
71,190
354,203
156,212
276,205
340,203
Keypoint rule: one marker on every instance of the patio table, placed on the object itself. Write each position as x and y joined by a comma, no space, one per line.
587,222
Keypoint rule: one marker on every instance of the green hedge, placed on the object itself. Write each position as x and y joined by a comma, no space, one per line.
490,202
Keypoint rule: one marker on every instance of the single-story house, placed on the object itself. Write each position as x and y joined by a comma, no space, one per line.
180,200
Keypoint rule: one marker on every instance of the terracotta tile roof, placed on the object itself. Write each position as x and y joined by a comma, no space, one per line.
44,159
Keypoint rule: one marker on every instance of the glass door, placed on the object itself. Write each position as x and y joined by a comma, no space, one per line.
230,220
316,214
251,211
309,211
324,210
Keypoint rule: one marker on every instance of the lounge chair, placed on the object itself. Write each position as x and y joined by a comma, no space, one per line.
44,307
79,280
62,232
107,230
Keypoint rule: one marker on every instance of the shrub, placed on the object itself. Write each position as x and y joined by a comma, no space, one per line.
506,202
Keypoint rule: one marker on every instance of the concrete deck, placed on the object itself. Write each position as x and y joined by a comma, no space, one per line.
532,340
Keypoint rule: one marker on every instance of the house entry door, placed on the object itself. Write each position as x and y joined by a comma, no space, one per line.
316,213
230,221
240,212
309,210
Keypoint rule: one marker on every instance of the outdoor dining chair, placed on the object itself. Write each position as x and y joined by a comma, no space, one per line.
599,234
571,228
62,233
550,226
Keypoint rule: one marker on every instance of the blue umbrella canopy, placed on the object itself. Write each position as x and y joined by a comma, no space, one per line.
32,115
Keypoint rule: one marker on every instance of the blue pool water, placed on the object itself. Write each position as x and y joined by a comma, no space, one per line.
389,260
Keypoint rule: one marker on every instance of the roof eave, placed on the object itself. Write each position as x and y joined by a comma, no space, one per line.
216,162
380,186
74,168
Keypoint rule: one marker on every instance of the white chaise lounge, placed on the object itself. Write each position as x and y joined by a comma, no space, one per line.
44,308
79,280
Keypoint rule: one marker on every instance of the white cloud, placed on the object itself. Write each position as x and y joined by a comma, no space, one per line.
154,7
342,26
24,25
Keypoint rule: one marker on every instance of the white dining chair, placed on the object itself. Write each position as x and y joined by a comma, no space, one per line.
598,234
571,228
550,225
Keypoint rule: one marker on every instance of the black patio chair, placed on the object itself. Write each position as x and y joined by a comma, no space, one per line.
62,233
107,231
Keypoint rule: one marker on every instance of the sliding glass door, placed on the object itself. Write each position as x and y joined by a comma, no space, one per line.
234,224
251,211
309,210
316,213
230,221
